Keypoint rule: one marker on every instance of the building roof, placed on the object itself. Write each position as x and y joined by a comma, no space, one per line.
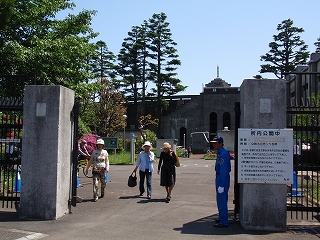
217,83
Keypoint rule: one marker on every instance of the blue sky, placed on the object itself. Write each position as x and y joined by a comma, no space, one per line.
231,34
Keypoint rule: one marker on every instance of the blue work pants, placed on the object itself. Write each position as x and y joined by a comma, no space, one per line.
222,202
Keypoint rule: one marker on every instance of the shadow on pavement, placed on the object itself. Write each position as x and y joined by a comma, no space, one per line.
8,216
204,226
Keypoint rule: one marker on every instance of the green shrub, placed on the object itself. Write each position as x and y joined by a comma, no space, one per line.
210,156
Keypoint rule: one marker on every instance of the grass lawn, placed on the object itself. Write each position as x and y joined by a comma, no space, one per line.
122,158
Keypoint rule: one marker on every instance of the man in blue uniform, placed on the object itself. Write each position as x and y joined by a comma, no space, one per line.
223,169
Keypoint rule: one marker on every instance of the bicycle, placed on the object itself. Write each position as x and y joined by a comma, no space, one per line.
84,166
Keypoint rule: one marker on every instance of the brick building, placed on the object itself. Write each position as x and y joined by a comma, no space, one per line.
194,119
304,83
195,122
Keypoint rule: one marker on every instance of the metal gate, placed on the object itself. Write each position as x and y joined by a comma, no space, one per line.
303,194
11,121
303,116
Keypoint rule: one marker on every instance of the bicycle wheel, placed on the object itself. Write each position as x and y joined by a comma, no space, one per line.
89,175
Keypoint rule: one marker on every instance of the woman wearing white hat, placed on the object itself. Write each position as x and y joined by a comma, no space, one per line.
100,160
145,165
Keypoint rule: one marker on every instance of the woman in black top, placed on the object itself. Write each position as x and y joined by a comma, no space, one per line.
168,170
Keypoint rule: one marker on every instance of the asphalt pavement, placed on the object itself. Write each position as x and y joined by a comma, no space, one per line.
123,214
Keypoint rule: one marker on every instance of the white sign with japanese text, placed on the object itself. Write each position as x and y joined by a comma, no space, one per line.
265,156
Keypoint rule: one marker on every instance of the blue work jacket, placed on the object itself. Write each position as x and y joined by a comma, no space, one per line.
223,168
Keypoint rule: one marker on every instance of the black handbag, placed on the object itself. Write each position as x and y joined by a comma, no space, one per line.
132,180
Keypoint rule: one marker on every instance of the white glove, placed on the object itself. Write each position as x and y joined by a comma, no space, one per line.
220,189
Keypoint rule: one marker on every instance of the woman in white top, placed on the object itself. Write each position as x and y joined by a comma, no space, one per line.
145,165
100,160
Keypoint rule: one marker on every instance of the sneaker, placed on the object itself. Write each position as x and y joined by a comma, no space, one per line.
149,196
141,194
95,199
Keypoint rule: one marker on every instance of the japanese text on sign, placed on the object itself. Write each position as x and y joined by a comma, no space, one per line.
265,156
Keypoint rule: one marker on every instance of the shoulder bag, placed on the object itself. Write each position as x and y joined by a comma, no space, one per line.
132,180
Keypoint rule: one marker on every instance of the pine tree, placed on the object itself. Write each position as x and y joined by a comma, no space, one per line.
164,57
286,51
133,65
164,61
103,62
148,62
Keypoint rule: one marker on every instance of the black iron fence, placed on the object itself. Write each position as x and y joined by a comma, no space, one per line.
10,157
303,116
11,122
304,193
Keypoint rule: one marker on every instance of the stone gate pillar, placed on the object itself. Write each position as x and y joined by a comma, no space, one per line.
263,105
46,152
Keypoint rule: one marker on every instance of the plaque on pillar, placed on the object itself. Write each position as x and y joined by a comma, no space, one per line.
265,156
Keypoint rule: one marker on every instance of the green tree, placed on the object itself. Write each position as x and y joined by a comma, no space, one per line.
148,62
149,136
164,60
133,65
145,121
109,110
103,62
32,41
6,10
286,51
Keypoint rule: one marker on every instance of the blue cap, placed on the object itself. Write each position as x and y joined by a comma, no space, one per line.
217,139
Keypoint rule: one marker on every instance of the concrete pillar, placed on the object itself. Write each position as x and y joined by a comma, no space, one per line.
263,105
46,152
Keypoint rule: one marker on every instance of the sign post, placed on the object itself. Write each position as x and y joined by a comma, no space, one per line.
111,143
132,147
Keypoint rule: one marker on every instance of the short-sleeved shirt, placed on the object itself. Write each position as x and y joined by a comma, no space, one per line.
99,158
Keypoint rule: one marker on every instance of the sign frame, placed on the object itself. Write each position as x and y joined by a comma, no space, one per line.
265,156
110,142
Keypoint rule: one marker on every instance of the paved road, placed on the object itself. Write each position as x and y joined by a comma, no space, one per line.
122,214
